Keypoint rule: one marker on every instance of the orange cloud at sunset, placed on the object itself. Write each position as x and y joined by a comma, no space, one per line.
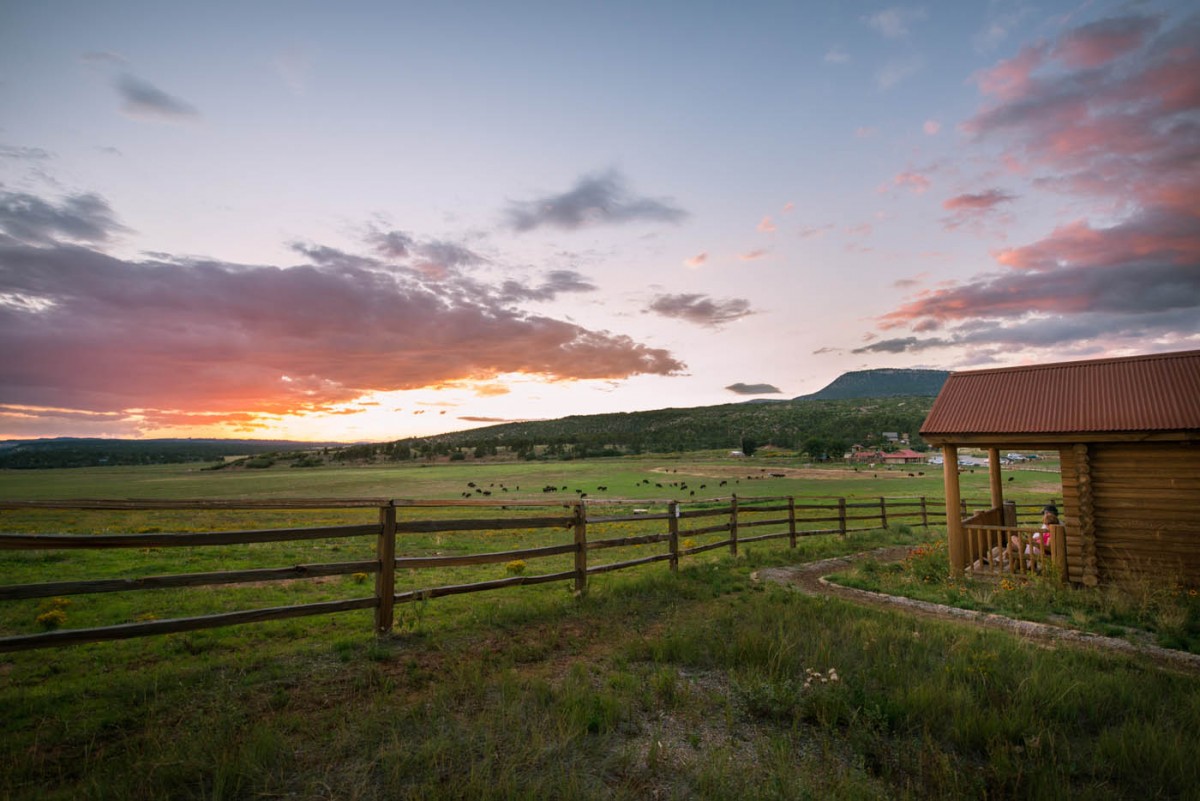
206,343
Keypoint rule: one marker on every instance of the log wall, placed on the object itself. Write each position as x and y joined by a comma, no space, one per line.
1146,499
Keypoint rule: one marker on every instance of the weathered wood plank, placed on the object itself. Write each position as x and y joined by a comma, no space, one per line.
695,532
619,542
711,546
54,588
75,541
147,504
415,562
126,631
645,560
481,586
489,524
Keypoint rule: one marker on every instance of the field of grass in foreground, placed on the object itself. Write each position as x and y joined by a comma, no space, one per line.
698,685
703,684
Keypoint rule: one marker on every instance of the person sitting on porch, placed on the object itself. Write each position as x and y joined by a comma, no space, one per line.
1039,541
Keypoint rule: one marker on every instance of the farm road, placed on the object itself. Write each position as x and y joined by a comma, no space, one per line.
810,579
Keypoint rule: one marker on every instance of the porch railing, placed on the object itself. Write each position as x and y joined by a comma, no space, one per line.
992,548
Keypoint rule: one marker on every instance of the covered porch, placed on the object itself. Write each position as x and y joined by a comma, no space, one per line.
1127,432
992,542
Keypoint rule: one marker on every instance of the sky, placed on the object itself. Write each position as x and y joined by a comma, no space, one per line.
362,221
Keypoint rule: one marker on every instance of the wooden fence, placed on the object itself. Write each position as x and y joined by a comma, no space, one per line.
727,518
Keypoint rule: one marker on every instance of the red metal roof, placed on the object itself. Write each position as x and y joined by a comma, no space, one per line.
1159,392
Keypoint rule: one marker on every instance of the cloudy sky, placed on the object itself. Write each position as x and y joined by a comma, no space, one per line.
370,220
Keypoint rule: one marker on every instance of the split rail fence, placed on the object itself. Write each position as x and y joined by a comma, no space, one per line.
685,529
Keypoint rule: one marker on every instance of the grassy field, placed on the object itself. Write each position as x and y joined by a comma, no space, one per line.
701,684
629,477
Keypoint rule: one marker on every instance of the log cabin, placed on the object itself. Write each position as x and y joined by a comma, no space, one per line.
1128,434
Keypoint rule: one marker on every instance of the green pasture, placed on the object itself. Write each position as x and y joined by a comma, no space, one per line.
624,477
699,684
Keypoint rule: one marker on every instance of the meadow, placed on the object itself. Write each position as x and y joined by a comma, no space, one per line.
701,683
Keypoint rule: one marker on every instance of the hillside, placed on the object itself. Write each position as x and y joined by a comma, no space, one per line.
81,452
818,427
882,383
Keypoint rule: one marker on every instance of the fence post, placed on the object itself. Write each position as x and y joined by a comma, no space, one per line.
792,520
924,513
580,548
385,579
733,525
883,512
673,528
842,516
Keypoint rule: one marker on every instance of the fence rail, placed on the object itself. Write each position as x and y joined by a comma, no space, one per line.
801,520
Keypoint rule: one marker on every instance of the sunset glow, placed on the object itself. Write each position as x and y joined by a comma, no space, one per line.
366,221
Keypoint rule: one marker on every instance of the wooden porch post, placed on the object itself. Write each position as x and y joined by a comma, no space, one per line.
997,481
954,531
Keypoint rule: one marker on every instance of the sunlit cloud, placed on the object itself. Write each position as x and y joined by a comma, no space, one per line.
1106,113
766,226
215,338
696,261
914,181
969,207
931,127
754,255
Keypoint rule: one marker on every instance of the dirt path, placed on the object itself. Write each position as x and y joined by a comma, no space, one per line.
810,579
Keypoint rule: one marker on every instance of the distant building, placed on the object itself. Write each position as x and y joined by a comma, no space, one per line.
905,456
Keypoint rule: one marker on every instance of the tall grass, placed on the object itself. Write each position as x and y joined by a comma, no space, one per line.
694,685
1153,609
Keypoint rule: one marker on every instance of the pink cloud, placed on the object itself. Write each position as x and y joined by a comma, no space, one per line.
1100,42
973,207
1108,114
205,338
914,181
753,255
981,201
766,226
810,231
697,260
931,127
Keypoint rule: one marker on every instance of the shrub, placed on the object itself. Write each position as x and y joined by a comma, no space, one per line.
516,567
52,619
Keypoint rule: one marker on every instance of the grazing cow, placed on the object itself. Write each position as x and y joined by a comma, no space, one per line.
471,484
723,483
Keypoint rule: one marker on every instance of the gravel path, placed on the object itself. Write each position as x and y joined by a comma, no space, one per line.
810,579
